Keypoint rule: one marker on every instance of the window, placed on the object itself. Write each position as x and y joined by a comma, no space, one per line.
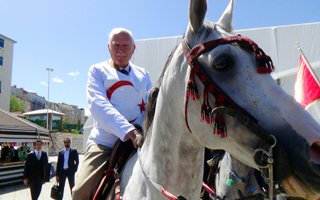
1,43
1,60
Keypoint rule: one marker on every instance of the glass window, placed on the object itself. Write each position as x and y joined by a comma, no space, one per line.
1,60
1,43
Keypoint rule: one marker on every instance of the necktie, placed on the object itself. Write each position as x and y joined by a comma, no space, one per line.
38,155
124,71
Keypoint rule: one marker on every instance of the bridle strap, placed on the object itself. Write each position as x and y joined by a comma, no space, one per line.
265,64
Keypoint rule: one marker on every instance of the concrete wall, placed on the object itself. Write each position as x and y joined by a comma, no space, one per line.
57,138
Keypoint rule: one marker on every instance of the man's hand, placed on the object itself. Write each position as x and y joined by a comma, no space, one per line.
57,179
136,138
25,181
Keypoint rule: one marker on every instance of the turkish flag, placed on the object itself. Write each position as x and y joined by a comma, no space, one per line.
307,88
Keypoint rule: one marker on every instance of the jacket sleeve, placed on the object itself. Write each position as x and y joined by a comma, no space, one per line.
59,165
46,167
27,167
76,159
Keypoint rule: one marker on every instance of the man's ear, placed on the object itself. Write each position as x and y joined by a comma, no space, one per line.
134,48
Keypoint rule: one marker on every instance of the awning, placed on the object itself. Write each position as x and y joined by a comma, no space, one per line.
16,129
43,112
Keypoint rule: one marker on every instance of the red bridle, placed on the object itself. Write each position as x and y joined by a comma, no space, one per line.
264,65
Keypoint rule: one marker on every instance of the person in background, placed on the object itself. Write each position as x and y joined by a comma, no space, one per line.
117,93
35,170
67,165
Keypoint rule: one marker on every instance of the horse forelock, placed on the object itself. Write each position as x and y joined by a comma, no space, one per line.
209,31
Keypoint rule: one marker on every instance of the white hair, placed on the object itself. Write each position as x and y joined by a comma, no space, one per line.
117,31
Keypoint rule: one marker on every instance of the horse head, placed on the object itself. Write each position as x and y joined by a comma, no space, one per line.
216,92
230,71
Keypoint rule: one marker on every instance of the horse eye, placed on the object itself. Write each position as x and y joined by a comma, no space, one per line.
223,62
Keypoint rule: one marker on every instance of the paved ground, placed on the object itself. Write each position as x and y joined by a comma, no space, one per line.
21,192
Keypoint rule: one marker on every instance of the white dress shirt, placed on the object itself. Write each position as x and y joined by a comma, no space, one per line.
38,154
66,158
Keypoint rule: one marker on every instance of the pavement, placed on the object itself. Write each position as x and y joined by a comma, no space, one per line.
20,192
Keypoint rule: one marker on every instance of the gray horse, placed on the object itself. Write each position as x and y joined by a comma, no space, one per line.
214,85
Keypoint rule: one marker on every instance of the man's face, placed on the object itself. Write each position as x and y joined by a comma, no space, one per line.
38,146
66,143
121,49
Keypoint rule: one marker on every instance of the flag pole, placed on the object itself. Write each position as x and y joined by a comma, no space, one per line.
308,65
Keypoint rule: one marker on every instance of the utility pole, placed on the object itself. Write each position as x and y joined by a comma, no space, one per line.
49,70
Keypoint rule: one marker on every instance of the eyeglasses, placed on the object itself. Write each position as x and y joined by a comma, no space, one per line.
67,142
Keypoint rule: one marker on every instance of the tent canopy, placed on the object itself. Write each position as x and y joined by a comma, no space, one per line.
43,112
16,129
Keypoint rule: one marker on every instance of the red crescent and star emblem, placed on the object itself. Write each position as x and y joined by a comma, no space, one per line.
123,83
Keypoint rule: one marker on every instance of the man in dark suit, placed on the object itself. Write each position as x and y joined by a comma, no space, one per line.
68,161
35,170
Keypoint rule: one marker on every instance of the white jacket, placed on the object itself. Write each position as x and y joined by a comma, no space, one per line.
116,101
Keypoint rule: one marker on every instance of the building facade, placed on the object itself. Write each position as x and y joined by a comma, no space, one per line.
74,117
31,100
6,57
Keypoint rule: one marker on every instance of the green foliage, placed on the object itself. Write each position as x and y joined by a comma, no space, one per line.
16,104
74,131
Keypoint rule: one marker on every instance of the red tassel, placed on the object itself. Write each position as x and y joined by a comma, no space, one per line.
206,115
192,89
220,127
206,109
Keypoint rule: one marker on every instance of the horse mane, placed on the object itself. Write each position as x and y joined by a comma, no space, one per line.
153,95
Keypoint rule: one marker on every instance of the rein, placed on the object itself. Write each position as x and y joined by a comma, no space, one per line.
156,185
166,193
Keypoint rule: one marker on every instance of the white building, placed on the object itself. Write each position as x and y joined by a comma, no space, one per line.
6,57
277,42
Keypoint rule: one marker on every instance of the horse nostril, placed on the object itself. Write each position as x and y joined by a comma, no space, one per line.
315,152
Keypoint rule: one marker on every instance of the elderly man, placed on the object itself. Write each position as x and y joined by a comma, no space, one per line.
117,93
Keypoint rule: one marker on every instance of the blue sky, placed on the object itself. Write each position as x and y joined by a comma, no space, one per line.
71,35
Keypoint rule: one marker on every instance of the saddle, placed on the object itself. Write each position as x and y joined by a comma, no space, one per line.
110,183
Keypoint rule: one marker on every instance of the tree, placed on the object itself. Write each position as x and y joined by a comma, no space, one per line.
16,104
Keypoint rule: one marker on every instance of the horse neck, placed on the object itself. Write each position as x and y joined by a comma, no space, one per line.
173,162
170,153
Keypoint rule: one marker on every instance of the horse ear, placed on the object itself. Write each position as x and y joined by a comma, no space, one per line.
225,20
197,12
